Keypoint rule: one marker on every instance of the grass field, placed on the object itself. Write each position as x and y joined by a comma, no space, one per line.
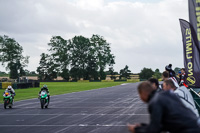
57,88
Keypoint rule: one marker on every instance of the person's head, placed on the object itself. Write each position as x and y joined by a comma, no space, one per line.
154,83
45,86
145,89
168,67
179,73
168,85
183,70
165,75
9,87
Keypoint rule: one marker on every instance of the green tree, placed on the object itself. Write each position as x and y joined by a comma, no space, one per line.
146,73
11,56
79,49
102,52
92,69
79,57
125,73
47,69
157,74
59,49
112,73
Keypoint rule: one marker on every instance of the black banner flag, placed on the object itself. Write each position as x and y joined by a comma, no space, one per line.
191,54
194,16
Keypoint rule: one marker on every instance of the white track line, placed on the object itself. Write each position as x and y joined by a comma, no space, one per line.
53,107
83,114
79,125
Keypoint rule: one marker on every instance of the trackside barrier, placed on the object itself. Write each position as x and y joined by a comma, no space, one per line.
27,85
107,80
95,80
83,81
14,85
133,80
6,84
120,80
143,79
195,93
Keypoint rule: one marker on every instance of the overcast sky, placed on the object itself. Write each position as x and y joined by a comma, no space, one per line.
142,33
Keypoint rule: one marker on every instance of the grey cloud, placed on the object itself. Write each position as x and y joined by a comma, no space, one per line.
141,34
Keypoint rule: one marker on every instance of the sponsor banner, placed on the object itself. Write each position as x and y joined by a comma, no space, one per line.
194,16
191,54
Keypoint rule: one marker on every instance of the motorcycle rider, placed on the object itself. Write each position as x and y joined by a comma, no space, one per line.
11,90
44,88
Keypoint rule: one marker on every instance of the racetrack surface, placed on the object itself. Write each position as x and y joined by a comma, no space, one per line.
106,110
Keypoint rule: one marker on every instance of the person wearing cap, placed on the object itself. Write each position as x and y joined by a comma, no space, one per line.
169,69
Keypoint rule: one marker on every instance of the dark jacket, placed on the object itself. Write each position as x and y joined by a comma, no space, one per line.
167,113
45,89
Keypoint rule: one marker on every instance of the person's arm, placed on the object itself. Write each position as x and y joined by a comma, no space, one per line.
155,125
13,90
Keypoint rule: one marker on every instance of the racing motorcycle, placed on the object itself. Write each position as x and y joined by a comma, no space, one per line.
8,100
44,99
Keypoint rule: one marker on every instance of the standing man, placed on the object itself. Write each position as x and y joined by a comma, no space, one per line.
167,113
183,93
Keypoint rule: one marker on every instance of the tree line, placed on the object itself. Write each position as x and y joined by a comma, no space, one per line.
75,59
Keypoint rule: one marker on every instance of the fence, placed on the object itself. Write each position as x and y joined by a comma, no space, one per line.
4,85
195,93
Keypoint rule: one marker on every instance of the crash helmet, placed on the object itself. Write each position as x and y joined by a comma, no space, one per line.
45,86
9,87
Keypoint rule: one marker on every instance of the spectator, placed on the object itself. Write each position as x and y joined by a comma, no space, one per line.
182,77
183,93
167,113
154,82
169,69
179,75
165,76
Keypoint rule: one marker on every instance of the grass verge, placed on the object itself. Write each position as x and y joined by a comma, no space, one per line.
57,88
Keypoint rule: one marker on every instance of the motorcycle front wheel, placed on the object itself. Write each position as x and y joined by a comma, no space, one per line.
6,102
42,103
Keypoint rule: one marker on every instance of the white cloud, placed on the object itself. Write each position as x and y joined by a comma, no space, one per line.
141,34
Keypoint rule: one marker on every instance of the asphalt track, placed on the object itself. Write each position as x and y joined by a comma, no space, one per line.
106,110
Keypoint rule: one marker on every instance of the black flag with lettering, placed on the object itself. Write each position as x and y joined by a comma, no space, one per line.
191,54
194,16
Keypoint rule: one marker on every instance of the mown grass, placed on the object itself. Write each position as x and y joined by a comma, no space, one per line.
57,88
